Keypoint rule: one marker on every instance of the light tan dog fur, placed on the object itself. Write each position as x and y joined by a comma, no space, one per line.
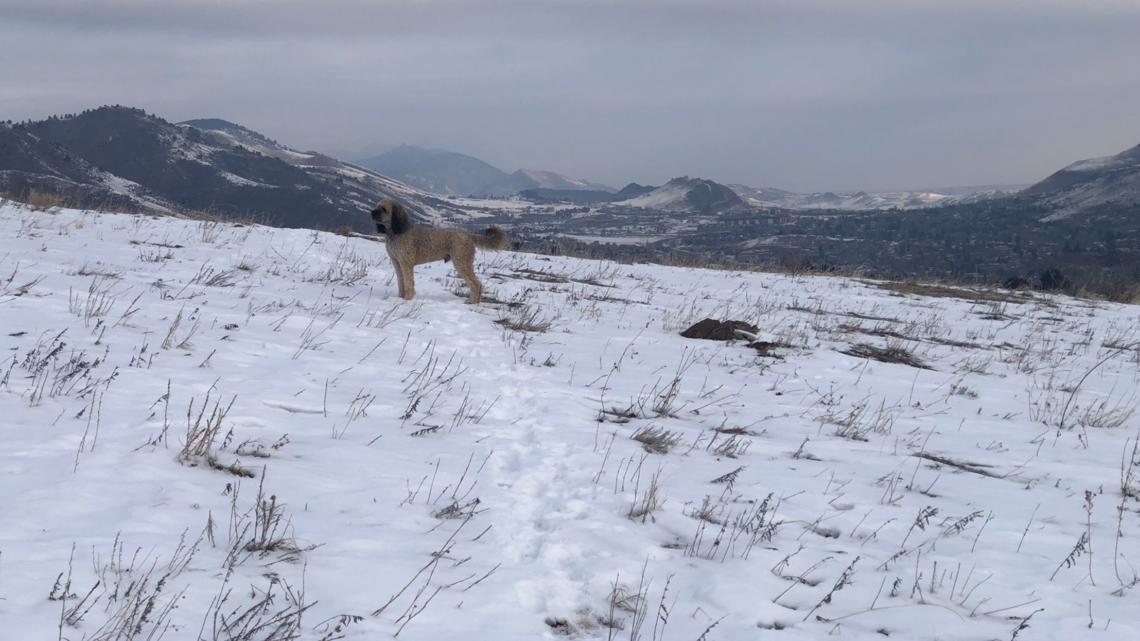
410,245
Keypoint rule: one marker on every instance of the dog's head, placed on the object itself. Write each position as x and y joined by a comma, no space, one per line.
391,218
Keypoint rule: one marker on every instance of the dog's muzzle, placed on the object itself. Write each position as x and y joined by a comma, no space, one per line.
381,229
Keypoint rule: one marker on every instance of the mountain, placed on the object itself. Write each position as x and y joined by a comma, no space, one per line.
633,190
438,171
580,196
29,163
542,179
862,200
454,174
356,186
1112,180
687,194
123,156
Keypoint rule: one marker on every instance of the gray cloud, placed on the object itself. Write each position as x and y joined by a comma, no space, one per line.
810,94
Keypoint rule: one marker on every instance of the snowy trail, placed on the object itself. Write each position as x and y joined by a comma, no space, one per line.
556,462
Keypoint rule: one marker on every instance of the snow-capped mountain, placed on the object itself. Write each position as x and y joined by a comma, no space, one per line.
454,174
120,156
686,194
440,171
543,179
361,187
1112,180
862,200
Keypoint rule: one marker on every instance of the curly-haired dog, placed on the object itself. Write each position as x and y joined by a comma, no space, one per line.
410,245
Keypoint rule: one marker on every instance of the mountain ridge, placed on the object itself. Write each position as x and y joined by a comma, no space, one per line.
1093,182
451,173
123,155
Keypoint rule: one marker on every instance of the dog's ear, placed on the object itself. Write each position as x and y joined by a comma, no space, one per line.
400,221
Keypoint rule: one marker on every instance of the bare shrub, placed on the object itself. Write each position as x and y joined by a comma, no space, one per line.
54,372
665,403
202,431
44,200
957,389
646,502
422,597
525,318
458,510
893,352
860,421
433,380
270,614
96,270
272,529
135,592
731,447
311,337
209,229
843,581
95,304
172,339
394,313
347,268
656,440
723,533
1107,413
214,277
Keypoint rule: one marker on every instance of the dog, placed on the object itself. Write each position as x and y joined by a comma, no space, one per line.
410,245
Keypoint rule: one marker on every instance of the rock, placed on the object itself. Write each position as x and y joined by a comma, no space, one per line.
714,330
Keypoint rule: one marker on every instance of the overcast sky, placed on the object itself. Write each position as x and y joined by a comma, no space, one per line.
800,94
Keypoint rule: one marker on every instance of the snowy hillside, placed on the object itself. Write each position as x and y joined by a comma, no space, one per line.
687,194
239,432
1113,180
359,186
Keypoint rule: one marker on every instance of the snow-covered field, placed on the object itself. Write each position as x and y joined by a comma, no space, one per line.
236,432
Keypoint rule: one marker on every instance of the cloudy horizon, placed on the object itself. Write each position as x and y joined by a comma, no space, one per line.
808,95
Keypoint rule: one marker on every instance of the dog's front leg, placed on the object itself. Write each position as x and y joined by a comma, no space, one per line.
397,266
399,277
409,282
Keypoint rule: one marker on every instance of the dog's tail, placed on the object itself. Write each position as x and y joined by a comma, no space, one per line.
493,238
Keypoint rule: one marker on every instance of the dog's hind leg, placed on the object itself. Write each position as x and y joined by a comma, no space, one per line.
467,272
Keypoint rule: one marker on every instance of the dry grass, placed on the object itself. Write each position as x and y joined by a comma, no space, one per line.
525,319
44,200
892,353
646,502
858,423
965,466
656,440
200,445
933,290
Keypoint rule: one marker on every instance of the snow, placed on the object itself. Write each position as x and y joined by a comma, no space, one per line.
1094,164
867,201
548,178
131,189
860,201
555,180
616,240
666,196
395,437
245,182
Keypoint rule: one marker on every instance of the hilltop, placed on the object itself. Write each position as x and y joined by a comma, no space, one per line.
239,429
